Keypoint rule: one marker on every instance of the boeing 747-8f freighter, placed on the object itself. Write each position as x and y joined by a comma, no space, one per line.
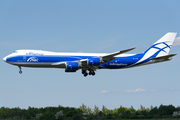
90,62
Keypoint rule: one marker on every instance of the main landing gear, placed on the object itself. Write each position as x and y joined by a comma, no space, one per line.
20,71
91,72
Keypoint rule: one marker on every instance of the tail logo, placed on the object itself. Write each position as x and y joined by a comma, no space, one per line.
158,49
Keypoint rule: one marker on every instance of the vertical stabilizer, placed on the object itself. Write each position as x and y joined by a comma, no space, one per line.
162,46
159,48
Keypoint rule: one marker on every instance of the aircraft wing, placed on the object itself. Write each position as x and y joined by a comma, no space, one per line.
106,58
110,57
103,59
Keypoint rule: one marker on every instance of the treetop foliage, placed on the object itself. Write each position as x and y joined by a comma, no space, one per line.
84,112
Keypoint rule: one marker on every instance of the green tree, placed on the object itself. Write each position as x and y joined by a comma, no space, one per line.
89,111
104,110
121,110
154,112
96,110
59,114
151,107
166,110
109,116
132,110
142,108
84,109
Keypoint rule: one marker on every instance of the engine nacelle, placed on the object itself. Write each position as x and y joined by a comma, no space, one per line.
94,61
71,66
66,70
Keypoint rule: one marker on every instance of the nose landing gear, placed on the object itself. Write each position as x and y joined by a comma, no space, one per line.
20,71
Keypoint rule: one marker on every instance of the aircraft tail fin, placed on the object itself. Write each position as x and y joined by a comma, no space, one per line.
161,47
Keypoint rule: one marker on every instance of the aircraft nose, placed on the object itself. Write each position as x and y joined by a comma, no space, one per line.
4,59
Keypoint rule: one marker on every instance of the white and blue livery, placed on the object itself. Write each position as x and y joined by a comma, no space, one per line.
89,62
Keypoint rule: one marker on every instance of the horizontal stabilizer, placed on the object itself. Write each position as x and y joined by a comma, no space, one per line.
164,57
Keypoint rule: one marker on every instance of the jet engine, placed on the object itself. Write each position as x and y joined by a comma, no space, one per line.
94,61
71,66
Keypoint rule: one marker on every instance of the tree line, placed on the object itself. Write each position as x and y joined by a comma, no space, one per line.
84,112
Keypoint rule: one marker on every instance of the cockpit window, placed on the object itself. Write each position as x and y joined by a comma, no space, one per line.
15,51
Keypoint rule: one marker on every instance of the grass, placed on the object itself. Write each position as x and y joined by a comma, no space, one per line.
147,119
117,119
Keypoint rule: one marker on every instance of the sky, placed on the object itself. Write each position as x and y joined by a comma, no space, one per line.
96,26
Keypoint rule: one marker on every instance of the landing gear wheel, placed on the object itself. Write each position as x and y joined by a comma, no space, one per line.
93,73
84,71
20,71
90,73
85,74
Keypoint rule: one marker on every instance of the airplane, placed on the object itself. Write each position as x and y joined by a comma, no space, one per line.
90,62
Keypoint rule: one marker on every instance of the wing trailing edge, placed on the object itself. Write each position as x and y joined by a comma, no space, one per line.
110,57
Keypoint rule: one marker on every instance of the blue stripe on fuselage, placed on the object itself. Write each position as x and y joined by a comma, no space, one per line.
118,62
122,62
